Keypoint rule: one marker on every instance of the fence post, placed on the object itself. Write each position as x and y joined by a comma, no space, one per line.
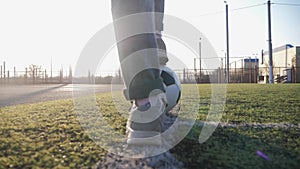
26,72
60,76
235,78
293,74
8,76
255,74
45,76
36,74
33,76
14,72
242,80
251,71
4,70
219,75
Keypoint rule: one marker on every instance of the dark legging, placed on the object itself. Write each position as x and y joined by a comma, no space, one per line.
138,25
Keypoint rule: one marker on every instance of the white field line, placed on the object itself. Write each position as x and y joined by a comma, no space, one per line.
250,125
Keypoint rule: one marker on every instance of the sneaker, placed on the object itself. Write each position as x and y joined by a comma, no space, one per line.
145,122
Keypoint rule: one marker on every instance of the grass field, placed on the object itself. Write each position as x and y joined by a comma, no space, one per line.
49,135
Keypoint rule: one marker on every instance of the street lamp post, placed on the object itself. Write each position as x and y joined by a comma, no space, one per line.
225,64
227,41
271,80
200,50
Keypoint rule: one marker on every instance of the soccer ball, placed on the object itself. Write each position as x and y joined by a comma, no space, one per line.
172,86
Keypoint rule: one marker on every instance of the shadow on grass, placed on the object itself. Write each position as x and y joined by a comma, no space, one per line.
25,98
234,148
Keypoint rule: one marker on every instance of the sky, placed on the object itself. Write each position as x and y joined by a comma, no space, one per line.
41,31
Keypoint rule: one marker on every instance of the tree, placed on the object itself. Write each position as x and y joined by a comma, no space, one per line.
294,61
35,71
70,73
276,70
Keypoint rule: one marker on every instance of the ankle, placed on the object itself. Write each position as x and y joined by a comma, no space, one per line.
143,101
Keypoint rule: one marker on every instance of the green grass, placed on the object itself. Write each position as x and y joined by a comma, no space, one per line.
251,103
45,135
49,135
236,148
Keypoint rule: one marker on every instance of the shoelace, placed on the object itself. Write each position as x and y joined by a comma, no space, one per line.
144,107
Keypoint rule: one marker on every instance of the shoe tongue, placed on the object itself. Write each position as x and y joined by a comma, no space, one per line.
144,107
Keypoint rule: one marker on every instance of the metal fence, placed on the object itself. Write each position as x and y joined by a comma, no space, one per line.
237,75
33,77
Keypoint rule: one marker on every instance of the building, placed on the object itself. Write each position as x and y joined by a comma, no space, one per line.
244,70
286,65
251,67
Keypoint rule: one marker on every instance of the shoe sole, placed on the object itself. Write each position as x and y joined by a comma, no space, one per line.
144,138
